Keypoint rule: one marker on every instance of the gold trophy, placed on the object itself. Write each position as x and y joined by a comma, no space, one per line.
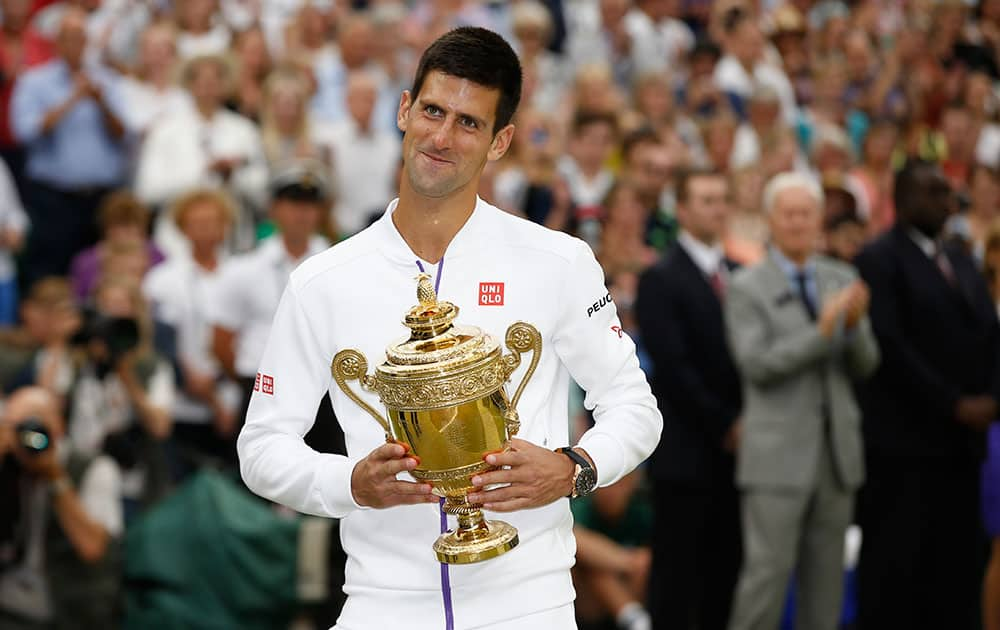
444,395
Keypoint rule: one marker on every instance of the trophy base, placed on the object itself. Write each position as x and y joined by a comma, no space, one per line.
488,539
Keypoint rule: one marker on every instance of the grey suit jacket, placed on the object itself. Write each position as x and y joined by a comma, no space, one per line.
786,363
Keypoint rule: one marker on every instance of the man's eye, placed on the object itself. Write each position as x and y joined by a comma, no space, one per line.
432,110
468,122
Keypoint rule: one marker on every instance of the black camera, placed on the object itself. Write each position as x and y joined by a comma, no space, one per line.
119,335
33,436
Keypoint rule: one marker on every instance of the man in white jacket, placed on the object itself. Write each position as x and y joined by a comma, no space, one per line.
455,119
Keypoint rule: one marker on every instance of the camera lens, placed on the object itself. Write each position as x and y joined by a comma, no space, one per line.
33,436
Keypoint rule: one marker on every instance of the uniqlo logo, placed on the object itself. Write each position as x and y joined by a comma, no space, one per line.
266,384
491,294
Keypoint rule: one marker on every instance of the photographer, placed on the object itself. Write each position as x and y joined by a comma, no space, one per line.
59,558
121,398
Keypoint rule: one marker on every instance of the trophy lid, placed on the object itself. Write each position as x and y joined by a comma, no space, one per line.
435,341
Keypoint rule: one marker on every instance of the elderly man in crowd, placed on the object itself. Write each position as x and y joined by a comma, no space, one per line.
67,115
800,335
926,413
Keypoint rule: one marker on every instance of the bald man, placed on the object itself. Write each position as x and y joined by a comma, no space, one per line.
59,557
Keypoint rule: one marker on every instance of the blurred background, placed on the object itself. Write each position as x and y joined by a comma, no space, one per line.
166,164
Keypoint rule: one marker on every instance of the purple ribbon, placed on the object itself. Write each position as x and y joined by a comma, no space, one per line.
449,612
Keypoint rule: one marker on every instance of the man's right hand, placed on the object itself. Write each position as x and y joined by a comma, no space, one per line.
833,308
374,483
976,412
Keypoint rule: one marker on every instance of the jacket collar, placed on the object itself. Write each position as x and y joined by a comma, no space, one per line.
471,237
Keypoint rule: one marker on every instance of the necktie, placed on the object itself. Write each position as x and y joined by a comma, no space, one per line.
804,296
941,259
718,284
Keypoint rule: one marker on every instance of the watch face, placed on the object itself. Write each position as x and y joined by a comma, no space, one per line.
586,481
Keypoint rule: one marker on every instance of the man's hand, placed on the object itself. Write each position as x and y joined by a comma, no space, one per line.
857,303
833,308
44,465
537,477
976,412
374,483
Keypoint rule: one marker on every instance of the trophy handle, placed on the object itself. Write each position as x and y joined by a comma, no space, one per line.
351,365
521,337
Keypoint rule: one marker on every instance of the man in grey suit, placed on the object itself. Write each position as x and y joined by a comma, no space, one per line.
799,332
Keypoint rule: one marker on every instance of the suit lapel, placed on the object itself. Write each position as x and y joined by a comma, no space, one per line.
696,275
926,267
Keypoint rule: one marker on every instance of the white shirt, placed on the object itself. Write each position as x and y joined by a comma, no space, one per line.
708,258
247,294
178,150
12,217
731,76
365,167
353,296
179,292
214,42
658,46
585,192
144,105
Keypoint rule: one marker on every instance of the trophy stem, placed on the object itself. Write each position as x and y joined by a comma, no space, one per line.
475,539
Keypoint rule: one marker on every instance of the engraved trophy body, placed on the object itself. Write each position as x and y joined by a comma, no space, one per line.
444,394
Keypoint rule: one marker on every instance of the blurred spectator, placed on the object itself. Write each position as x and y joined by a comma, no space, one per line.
763,119
123,220
720,134
592,139
744,65
364,158
356,51
972,226
844,231
960,145
151,94
123,391
800,334
925,416
13,227
60,562
748,233
39,353
789,36
253,64
648,168
287,130
659,39
533,30
528,183
68,118
608,41
13,62
307,38
984,105
654,100
622,248
179,293
613,528
248,289
203,145
874,177
697,546
201,29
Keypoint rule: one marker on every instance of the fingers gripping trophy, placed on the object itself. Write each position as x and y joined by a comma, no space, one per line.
445,398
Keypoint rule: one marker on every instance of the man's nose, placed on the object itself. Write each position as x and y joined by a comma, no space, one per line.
442,135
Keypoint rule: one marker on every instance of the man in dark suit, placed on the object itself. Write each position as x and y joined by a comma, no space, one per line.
925,414
696,550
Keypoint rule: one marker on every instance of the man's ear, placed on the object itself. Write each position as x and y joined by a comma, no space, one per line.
501,142
403,114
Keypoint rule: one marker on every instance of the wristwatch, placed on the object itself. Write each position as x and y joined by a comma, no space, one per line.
585,477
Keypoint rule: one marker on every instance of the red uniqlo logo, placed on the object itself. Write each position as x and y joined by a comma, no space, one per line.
267,385
491,294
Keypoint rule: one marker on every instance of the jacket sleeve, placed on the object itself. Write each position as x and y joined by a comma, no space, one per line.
862,351
906,367
762,356
693,401
275,461
602,360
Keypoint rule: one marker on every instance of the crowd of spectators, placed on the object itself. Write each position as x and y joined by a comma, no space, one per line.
166,163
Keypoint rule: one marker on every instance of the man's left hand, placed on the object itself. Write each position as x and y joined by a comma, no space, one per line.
537,477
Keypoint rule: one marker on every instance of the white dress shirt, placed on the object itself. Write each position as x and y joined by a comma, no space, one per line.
709,259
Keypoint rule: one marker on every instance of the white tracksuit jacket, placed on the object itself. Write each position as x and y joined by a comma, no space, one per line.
354,295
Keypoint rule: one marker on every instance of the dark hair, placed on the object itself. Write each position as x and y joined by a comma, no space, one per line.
682,180
121,207
905,188
643,135
733,18
480,56
584,119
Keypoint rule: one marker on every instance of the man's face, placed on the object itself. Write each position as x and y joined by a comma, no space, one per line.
796,222
706,210
205,224
297,219
207,83
931,202
448,134
72,38
748,42
648,171
361,96
593,144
